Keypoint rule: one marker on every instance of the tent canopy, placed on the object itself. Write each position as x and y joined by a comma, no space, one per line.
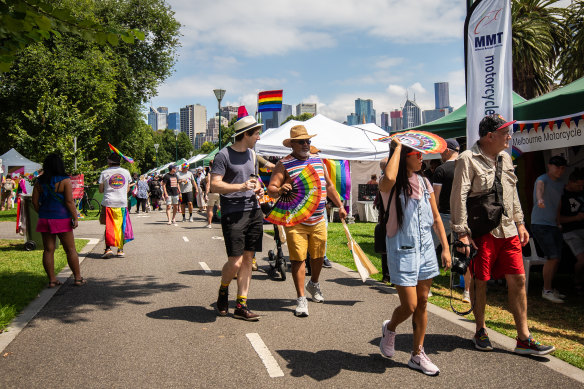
454,124
335,140
13,159
560,102
209,157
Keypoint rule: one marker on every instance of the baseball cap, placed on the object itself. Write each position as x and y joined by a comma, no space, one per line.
171,167
558,160
492,123
452,144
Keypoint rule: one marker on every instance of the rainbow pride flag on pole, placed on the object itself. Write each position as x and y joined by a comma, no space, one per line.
340,174
270,100
118,228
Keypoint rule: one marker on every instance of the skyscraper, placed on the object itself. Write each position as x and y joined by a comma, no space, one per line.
396,120
364,111
157,119
286,112
229,112
212,134
193,121
385,121
352,119
412,114
305,108
441,95
173,121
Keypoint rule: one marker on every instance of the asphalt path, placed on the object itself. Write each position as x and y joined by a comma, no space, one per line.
148,320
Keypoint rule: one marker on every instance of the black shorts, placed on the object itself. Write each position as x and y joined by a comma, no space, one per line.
243,231
187,197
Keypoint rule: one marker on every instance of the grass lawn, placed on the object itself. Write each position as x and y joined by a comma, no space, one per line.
557,324
22,276
8,216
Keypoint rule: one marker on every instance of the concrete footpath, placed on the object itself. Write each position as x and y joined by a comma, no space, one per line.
148,320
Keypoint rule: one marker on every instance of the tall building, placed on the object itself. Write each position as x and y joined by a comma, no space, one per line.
430,115
212,133
157,119
364,111
396,117
173,120
274,119
200,138
352,119
412,114
193,121
305,108
287,112
441,95
229,112
385,121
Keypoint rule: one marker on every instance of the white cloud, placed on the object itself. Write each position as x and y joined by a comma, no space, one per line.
388,62
260,27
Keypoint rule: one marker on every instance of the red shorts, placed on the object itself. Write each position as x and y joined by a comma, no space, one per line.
497,257
54,226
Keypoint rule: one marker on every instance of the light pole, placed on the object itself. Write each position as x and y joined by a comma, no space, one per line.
156,150
219,93
176,132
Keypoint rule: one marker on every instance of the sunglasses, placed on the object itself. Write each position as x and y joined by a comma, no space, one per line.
302,141
416,153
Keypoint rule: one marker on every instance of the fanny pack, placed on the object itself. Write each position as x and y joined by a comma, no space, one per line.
485,211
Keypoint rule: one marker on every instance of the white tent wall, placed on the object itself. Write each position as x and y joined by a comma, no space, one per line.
13,158
361,172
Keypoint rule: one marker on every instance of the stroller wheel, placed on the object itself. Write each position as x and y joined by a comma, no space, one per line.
30,245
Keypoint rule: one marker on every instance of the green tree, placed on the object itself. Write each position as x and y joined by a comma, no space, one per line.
571,62
538,37
301,118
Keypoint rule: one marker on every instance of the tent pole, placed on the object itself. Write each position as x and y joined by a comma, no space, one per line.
351,192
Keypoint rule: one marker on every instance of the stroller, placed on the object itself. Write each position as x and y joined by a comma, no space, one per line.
275,257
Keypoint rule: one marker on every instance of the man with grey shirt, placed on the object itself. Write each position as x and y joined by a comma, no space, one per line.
234,178
186,183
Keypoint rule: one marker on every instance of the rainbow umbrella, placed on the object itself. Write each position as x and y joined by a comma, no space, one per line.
422,141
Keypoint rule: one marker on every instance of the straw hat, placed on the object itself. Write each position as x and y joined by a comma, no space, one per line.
297,132
244,124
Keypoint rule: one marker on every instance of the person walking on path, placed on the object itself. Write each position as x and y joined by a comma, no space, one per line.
155,192
547,196
52,198
114,184
212,199
234,177
309,236
141,194
7,187
188,189
411,256
171,193
499,251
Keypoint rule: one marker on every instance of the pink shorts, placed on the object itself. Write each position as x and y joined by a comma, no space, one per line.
497,257
54,226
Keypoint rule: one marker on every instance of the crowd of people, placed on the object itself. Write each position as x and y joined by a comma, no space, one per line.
422,213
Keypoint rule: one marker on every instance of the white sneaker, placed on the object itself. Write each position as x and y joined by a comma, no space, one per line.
108,254
466,297
430,293
191,219
209,226
551,296
558,294
301,307
387,342
423,363
314,290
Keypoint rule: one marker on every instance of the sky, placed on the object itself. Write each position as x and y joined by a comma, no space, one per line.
328,52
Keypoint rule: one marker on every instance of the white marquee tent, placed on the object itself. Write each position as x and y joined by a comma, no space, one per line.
12,160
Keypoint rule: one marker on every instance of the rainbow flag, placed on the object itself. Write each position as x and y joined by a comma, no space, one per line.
113,149
118,228
265,175
515,153
340,174
270,100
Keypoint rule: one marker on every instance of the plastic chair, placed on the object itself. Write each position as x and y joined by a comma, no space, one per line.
531,260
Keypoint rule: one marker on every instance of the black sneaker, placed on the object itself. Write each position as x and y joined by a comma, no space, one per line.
481,341
326,263
242,312
531,346
223,303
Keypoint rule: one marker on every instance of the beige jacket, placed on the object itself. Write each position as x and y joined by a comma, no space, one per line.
474,174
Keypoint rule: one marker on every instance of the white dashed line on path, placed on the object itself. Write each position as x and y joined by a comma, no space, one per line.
205,267
265,355
217,237
185,239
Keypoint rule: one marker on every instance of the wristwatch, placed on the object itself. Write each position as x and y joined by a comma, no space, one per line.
521,223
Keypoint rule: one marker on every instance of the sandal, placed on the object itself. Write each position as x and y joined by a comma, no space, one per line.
52,284
80,282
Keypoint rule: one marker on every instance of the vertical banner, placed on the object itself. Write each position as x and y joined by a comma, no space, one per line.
488,60
77,186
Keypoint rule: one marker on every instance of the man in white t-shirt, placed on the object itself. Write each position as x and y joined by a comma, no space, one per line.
114,184
188,189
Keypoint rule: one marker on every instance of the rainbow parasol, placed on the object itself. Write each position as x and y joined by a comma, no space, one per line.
422,141
113,149
300,203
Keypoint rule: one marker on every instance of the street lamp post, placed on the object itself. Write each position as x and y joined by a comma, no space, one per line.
176,132
219,93
156,150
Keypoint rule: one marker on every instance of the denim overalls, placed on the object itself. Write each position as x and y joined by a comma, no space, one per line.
410,252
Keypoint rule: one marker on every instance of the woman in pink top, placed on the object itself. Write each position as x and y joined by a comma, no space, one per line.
411,257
